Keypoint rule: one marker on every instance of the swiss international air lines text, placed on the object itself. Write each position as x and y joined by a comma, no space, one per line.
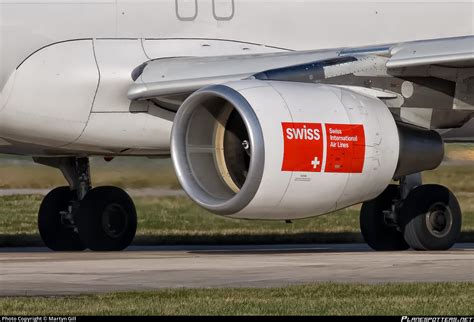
307,145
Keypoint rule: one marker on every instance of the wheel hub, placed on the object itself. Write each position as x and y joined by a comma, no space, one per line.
439,220
114,220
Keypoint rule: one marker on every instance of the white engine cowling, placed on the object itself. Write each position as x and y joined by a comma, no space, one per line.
280,150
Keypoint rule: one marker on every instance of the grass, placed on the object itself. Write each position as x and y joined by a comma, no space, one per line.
314,299
136,172
124,172
177,220
459,178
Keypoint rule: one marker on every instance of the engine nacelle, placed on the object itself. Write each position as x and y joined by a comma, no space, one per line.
280,150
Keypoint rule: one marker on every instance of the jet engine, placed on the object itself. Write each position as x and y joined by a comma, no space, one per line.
281,150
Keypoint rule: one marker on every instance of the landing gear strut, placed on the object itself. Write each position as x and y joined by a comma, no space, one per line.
78,217
423,217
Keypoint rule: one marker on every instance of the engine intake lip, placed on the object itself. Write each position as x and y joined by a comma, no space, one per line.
233,202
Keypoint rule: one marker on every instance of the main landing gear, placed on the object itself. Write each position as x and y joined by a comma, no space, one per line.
423,217
78,217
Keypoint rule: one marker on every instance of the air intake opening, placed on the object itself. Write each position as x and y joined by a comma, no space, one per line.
217,149
218,146
233,151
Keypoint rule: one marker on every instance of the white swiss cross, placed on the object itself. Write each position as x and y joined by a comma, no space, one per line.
315,162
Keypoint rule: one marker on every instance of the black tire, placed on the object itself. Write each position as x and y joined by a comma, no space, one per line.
377,234
56,235
432,218
107,219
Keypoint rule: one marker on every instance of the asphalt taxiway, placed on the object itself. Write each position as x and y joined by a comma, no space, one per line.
37,271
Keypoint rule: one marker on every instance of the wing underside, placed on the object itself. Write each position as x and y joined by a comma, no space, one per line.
429,83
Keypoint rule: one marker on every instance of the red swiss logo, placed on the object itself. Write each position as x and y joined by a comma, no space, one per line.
304,148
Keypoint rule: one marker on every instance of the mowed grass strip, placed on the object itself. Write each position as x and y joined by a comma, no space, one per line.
177,220
315,299
135,172
127,172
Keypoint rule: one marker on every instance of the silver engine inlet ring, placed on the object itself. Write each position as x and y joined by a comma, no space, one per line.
196,149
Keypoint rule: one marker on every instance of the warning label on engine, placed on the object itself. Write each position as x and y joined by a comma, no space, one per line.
304,148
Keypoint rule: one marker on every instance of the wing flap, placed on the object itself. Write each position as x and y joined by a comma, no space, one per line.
166,77
455,52
185,75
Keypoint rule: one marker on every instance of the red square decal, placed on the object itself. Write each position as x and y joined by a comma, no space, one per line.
303,147
345,148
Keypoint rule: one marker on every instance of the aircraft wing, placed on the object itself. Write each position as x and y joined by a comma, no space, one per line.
427,83
184,75
456,52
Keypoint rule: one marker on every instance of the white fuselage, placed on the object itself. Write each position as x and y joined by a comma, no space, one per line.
121,34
